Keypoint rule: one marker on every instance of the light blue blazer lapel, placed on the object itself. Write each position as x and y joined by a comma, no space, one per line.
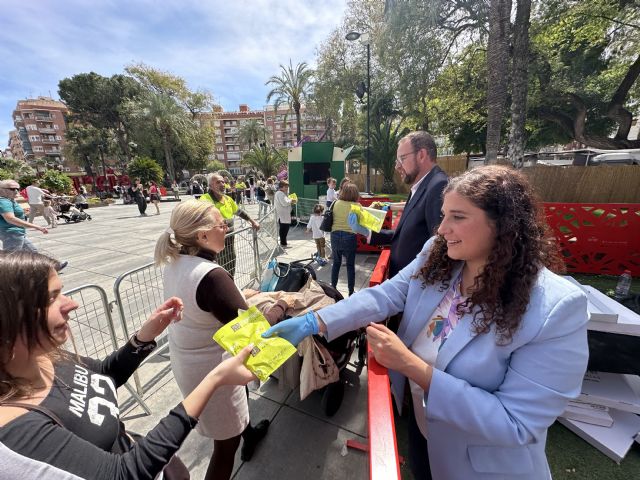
457,340
427,302
409,329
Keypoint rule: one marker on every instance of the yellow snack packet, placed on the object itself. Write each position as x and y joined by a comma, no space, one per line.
293,197
370,218
267,354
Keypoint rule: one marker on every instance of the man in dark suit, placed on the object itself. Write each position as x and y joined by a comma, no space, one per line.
416,162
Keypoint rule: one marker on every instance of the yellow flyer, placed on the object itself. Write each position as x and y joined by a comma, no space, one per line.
293,197
267,354
369,217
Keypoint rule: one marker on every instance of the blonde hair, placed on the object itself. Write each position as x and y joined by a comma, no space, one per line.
187,219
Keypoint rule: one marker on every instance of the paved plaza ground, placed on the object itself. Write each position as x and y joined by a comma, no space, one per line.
302,441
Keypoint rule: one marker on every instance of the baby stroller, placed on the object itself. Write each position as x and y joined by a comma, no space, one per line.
292,277
71,213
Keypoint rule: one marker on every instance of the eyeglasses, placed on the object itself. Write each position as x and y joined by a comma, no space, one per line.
12,189
223,226
401,158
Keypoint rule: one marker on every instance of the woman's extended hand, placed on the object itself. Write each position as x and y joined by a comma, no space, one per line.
159,320
232,371
388,349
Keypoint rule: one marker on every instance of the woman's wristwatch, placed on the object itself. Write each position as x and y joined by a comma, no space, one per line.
142,347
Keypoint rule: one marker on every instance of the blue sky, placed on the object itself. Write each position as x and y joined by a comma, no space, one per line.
229,47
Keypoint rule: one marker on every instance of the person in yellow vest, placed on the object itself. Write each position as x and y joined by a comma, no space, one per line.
240,188
228,208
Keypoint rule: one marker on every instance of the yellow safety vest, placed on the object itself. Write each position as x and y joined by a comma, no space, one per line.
227,206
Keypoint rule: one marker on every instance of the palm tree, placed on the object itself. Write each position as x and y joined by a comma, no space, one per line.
264,159
386,133
169,120
292,87
252,133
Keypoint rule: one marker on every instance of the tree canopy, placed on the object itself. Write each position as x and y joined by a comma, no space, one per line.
570,67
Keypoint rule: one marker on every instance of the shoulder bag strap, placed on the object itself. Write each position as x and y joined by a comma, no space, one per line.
37,408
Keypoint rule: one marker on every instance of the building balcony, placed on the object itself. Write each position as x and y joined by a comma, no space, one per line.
44,118
51,142
46,130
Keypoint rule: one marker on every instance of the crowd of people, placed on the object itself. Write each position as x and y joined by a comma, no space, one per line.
485,344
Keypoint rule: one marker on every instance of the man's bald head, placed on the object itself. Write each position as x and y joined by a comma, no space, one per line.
216,183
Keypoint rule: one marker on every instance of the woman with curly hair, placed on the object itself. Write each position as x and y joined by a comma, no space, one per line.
492,343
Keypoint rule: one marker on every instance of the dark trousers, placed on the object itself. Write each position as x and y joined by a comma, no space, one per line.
418,453
227,257
142,204
344,243
283,231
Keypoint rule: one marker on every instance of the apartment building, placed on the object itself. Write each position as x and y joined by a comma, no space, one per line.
40,128
280,125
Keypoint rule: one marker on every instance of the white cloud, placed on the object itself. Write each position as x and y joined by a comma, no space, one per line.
230,48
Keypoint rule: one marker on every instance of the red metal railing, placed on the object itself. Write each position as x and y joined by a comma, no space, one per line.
384,461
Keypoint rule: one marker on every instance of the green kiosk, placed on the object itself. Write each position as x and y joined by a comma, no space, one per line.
311,164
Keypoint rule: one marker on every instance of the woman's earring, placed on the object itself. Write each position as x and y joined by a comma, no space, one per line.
13,353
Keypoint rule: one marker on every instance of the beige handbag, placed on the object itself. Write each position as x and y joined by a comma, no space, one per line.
318,367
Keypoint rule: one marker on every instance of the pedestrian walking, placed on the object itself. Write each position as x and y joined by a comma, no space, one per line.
140,197
332,196
154,196
261,197
50,215
175,189
35,199
283,211
12,221
343,241
318,235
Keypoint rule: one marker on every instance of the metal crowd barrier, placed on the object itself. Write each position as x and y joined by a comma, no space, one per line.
93,332
139,292
304,209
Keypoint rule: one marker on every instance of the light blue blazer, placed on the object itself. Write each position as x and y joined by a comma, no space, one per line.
489,406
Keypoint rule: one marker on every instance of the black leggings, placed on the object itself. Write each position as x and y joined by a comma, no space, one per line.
283,231
142,204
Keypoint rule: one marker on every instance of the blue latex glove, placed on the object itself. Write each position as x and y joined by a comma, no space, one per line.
352,219
295,329
385,208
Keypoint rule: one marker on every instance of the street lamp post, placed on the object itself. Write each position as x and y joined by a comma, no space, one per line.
364,38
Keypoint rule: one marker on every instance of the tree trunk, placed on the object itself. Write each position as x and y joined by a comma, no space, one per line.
497,73
168,157
616,111
520,77
298,126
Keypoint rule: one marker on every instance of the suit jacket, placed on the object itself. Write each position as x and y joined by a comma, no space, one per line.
488,406
417,224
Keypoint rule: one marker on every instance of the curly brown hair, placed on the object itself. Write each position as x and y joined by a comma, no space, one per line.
523,246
